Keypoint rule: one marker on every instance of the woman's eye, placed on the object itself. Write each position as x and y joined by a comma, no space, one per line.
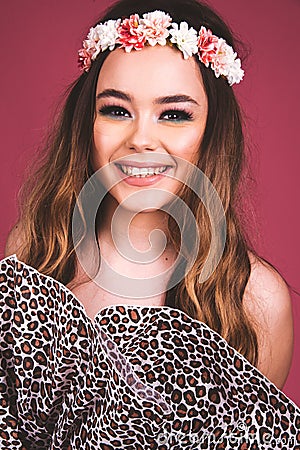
176,115
114,111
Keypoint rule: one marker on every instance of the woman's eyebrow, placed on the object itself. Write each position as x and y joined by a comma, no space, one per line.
120,95
175,99
114,93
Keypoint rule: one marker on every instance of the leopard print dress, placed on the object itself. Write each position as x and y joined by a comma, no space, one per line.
136,378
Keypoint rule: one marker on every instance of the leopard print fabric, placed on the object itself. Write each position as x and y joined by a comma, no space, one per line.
136,378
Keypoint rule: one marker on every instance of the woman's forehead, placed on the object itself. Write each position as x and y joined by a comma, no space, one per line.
156,70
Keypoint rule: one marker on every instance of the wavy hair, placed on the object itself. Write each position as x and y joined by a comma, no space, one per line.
48,197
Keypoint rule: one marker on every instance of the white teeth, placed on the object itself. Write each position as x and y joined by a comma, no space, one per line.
135,171
142,171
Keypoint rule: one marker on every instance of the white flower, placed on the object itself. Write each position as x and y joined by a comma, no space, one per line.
93,35
185,38
89,44
156,24
104,36
156,27
91,47
235,73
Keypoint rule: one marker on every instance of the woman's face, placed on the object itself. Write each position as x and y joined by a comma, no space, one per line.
151,108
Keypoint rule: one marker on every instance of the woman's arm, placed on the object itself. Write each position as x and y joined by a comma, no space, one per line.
268,302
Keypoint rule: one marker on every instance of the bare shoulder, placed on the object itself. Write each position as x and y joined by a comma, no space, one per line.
14,240
268,302
268,287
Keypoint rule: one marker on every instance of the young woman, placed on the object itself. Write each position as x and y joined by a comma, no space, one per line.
134,312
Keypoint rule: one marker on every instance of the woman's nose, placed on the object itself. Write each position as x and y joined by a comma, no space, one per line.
142,135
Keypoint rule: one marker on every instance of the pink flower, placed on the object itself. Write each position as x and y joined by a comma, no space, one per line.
157,27
224,58
131,34
156,24
207,44
227,64
84,59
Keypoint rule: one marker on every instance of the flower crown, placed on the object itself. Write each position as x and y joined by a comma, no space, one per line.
155,28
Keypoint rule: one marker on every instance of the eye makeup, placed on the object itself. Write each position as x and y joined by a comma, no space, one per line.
114,111
176,115
168,115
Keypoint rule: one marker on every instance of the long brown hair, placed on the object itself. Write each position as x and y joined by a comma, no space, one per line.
49,196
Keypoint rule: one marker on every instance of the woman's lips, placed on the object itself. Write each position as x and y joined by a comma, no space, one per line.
141,174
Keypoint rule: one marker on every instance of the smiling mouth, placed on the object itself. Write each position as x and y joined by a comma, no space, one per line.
142,172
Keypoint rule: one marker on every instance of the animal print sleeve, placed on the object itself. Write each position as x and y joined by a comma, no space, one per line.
137,377
36,368
8,393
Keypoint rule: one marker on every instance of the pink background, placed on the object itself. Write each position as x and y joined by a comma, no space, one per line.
39,52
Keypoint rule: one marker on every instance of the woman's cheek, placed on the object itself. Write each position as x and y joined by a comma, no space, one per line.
109,128
185,145
101,153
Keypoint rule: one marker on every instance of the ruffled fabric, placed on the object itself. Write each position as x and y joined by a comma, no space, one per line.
137,378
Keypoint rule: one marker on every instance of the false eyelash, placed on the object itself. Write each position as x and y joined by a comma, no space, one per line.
186,114
107,109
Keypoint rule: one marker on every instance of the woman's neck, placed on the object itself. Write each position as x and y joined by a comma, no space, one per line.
120,227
